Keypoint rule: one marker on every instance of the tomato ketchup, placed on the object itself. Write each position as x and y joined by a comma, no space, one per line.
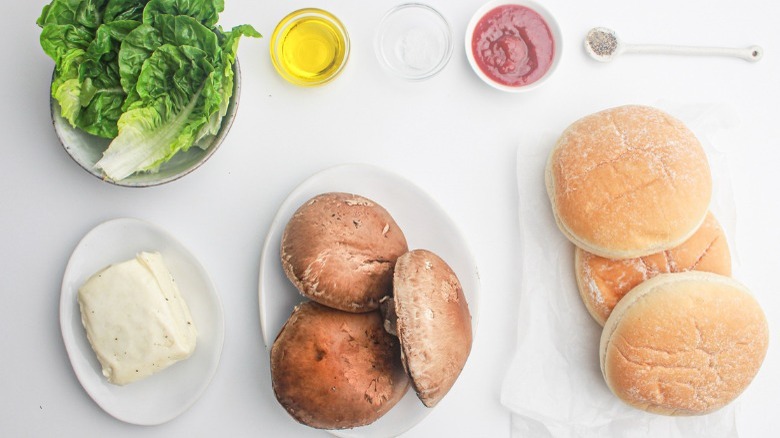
513,45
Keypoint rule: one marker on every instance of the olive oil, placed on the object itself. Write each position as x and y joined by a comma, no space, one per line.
309,47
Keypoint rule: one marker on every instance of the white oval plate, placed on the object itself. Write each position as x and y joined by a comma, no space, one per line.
425,225
166,394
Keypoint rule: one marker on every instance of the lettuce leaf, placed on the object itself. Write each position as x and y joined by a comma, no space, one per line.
154,128
86,79
205,11
83,13
67,45
178,91
229,48
117,10
102,96
144,40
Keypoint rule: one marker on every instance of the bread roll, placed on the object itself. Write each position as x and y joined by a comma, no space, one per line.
339,249
628,182
683,344
433,325
332,369
603,282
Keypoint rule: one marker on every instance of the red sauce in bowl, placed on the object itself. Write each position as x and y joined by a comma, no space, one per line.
513,45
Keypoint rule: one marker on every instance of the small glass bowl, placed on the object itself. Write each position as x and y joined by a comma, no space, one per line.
309,47
413,41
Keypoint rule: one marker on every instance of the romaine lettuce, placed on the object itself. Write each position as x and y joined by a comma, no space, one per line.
154,75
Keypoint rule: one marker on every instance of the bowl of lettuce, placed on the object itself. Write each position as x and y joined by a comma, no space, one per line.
143,91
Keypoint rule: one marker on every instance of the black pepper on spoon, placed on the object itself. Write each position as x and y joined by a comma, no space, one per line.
603,45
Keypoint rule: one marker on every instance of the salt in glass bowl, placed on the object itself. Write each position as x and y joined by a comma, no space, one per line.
413,41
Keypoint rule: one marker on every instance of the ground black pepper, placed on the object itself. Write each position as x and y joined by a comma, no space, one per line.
602,43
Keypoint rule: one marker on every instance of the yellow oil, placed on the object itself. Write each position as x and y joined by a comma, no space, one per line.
309,47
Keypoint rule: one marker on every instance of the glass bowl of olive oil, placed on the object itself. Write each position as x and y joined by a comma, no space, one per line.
309,47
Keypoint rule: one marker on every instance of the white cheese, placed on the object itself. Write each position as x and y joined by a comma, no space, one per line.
136,319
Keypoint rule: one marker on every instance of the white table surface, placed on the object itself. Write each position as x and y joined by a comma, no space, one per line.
452,135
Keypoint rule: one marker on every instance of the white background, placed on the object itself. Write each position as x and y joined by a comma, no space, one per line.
452,135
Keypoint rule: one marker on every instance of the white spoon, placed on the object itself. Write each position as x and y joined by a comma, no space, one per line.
603,44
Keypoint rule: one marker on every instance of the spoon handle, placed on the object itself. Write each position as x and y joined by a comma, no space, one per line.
752,53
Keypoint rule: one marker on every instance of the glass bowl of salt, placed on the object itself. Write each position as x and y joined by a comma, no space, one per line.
413,41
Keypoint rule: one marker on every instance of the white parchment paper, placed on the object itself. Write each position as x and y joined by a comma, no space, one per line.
554,386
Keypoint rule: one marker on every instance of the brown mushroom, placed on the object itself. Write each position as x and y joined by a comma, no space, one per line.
339,249
332,369
433,323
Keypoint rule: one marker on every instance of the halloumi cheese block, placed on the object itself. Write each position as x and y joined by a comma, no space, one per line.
135,318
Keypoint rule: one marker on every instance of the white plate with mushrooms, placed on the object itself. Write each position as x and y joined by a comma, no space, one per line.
165,395
425,225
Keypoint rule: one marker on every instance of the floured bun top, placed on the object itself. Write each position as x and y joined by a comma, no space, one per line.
339,249
332,369
628,181
602,282
433,323
683,344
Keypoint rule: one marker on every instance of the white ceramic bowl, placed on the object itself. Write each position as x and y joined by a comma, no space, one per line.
555,30
87,149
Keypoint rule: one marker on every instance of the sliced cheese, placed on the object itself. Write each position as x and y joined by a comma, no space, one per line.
135,319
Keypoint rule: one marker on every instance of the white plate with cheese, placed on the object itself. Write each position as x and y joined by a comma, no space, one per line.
425,225
168,393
